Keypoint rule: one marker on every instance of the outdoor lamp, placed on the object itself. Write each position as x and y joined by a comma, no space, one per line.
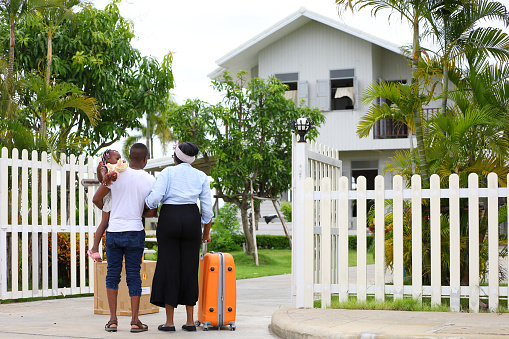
302,126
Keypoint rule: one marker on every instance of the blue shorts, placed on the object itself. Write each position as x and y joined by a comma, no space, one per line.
128,245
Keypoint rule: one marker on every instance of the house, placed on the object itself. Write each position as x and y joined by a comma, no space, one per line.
329,64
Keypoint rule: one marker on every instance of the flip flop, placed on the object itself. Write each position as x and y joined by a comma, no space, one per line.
96,257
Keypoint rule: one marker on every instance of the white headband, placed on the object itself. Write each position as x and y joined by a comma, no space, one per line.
183,157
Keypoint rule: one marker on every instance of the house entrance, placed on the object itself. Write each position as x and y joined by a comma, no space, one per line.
370,175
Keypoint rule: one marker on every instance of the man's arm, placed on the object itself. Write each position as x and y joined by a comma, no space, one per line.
99,195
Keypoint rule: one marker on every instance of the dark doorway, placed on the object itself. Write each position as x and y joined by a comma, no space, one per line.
370,175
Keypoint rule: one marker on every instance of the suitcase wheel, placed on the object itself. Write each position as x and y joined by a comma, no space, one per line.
205,327
232,327
197,323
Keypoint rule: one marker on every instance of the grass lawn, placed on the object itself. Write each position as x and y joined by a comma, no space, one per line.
271,262
352,258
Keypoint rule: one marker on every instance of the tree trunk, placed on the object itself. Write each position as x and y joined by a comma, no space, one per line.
48,59
445,88
147,133
248,234
412,155
423,164
10,71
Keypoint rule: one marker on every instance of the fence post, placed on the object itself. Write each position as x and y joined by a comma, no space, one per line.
436,276
416,238
299,173
473,241
4,185
493,240
309,234
398,237
454,216
379,238
325,255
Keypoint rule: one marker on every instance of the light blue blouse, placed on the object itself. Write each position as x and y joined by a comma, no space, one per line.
181,185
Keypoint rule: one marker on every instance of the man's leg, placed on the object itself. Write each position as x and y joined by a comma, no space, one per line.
114,256
133,255
112,303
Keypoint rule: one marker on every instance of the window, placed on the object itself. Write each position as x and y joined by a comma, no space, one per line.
297,90
338,92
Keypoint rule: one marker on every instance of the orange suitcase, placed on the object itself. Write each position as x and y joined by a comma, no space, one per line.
218,290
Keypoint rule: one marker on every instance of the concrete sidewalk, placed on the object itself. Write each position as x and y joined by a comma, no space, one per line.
257,300
327,323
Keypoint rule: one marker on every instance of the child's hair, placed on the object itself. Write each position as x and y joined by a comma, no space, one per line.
107,154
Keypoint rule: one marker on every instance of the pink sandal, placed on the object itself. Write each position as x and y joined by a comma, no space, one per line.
96,257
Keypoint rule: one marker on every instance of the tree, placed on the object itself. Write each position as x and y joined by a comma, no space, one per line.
413,11
52,17
453,24
401,109
152,96
93,52
249,138
12,11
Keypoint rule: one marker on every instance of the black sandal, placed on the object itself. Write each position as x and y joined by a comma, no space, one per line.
108,327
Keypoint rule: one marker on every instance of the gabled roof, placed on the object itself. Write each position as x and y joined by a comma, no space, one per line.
247,53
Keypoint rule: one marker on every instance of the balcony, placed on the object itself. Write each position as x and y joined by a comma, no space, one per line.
390,129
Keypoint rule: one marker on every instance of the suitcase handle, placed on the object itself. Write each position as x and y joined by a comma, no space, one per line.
203,249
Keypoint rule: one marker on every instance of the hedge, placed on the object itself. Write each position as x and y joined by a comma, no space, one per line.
352,241
280,241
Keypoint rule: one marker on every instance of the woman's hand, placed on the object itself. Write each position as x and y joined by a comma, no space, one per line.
206,237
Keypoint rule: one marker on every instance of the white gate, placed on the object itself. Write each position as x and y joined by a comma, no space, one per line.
43,208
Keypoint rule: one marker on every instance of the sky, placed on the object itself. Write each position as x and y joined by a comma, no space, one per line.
200,32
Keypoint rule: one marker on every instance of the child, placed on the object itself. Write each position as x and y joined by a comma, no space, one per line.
107,171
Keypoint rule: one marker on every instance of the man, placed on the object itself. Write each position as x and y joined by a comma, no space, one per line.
125,235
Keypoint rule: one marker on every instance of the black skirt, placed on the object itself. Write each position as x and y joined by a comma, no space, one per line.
178,240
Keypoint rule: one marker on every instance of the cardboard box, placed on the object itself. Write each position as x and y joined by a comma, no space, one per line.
124,301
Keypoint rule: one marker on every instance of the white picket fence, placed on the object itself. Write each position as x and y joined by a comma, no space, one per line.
324,279
41,202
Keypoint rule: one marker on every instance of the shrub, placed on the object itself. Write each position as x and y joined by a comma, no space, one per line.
286,210
352,241
225,227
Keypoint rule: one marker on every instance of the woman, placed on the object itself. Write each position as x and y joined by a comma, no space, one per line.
179,234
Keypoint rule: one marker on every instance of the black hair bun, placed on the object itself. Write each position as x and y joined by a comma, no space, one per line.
188,148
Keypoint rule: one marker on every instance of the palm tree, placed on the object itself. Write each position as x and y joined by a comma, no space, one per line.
401,109
13,11
57,105
413,11
453,25
158,127
52,17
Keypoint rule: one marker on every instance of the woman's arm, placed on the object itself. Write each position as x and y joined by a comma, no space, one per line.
206,202
158,190
206,232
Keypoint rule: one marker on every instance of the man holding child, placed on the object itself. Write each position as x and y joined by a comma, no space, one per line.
125,238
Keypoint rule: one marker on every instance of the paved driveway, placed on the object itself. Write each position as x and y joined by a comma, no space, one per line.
257,300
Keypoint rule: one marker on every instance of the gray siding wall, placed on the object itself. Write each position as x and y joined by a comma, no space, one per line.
313,51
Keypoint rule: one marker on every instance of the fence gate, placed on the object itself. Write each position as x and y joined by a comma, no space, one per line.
46,225
416,227
316,162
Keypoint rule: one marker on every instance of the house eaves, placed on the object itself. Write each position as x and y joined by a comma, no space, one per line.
246,55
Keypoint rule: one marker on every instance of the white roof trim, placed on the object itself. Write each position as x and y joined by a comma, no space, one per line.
312,16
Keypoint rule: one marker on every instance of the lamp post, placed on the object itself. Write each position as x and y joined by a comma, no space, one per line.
302,126
299,174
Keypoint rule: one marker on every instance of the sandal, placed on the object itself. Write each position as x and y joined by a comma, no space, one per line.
141,327
95,256
108,327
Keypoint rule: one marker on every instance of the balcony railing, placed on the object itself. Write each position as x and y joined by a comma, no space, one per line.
390,129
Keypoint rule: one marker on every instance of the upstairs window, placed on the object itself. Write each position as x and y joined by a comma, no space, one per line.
297,90
338,92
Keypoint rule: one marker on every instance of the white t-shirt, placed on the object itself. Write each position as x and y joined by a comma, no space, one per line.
128,200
